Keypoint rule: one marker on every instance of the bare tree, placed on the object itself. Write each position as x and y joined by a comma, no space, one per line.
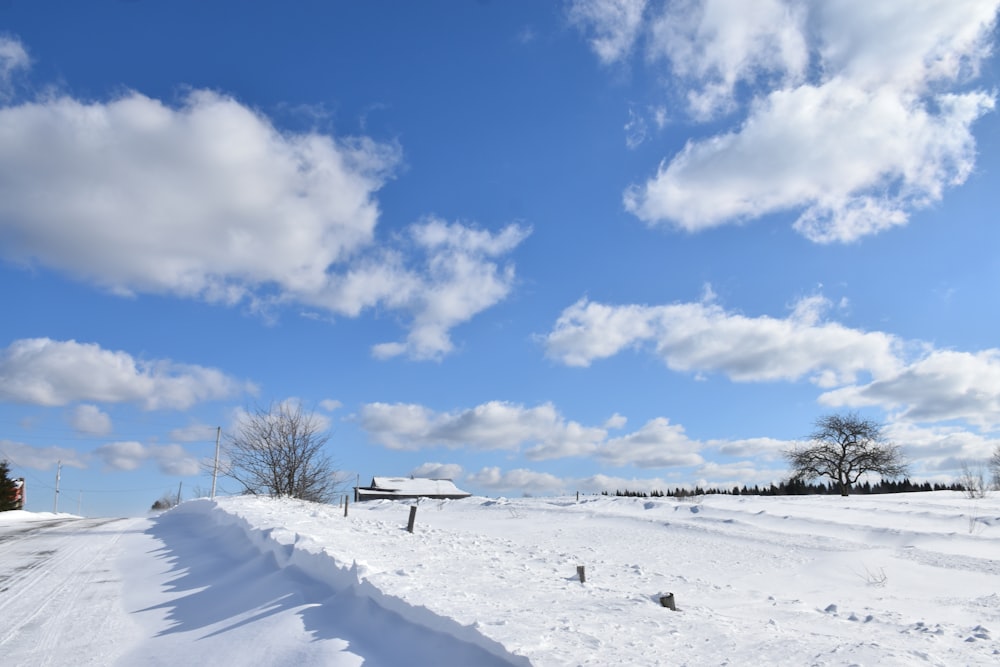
995,467
843,448
278,451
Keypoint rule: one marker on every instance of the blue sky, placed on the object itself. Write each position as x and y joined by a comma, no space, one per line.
536,247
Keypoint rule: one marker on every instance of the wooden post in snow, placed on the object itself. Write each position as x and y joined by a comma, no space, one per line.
580,573
668,601
345,503
413,518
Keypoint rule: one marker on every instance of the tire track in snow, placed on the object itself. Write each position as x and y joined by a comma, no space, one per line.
47,572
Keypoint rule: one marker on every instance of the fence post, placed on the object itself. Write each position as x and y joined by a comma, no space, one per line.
580,573
413,518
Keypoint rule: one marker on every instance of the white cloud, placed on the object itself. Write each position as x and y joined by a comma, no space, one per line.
658,444
940,447
611,26
855,161
541,432
41,371
636,129
258,207
715,44
330,404
765,448
521,480
858,113
942,385
615,421
437,471
13,57
490,426
130,455
266,217
461,278
40,458
194,433
910,379
122,455
90,420
738,473
318,422
610,484
703,337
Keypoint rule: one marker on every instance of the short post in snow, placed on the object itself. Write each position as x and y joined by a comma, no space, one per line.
580,573
413,518
667,601
346,501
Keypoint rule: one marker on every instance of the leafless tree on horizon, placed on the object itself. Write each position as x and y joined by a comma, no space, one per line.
843,448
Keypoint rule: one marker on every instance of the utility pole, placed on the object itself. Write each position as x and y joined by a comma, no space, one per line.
215,470
55,505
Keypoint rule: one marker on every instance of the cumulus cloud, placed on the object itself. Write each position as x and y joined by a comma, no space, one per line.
851,115
764,448
437,471
490,426
42,371
943,385
737,473
941,447
194,433
716,44
318,422
704,337
90,420
130,455
611,26
209,200
40,458
541,432
522,480
462,276
258,207
658,444
909,379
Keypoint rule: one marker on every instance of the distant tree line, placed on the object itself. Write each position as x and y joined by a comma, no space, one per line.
793,488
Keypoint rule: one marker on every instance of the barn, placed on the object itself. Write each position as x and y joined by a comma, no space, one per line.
409,488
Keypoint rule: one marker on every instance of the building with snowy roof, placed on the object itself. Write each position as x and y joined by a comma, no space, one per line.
409,488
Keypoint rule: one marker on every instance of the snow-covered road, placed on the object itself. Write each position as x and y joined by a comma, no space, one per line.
60,591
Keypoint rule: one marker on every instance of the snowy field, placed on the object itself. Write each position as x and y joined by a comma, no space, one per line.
908,579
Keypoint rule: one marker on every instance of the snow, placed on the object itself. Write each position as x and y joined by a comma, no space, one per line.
905,579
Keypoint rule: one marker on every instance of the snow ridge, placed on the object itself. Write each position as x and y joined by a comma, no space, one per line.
304,554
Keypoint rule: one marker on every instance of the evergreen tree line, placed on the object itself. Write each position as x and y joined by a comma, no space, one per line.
793,488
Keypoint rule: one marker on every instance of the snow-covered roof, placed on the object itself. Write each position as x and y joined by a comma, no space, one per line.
414,487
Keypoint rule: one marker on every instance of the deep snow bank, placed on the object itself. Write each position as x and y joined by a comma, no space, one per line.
256,519
890,580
